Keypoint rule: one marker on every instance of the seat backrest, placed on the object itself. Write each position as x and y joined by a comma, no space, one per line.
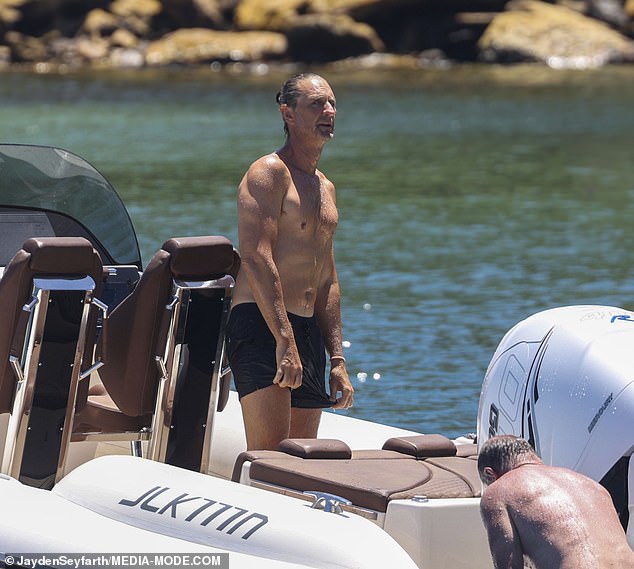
45,257
138,327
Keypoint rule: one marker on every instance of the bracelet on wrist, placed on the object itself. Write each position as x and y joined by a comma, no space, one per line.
338,358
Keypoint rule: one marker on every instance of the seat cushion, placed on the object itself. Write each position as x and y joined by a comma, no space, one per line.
366,483
371,478
201,258
422,446
101,415
315,448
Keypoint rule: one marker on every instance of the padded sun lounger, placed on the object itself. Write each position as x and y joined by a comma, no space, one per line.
406,467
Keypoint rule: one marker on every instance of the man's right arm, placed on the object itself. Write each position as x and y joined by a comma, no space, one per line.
504,541
260,198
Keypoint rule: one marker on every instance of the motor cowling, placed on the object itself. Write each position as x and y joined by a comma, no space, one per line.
564,380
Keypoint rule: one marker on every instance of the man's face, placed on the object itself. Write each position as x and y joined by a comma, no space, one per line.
315,110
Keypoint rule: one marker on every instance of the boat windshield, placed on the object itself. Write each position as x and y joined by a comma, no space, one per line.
46,192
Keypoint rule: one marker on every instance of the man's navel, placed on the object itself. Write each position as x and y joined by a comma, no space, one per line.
309,299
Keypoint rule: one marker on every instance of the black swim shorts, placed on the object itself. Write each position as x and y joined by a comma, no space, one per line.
251,354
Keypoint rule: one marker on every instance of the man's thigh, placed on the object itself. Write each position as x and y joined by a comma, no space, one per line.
266,414
304,423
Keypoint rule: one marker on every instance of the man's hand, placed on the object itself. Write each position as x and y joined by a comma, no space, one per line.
289,366
340,383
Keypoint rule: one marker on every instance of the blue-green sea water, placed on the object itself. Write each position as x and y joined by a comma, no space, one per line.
470,198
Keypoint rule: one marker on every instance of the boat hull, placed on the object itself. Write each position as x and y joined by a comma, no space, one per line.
218,513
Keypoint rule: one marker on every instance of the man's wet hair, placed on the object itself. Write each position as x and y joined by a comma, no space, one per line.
502,453
290,92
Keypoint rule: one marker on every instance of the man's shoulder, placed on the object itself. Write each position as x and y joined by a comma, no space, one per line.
269,162
267,173
491,495
508,488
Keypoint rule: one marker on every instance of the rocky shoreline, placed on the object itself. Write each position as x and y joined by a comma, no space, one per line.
73,34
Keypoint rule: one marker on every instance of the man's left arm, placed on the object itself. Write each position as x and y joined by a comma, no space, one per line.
504,541
328,315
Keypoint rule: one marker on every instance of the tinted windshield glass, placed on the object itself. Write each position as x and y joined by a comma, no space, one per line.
51,192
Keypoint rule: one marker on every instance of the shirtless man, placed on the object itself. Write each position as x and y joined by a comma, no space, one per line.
286,303
553,517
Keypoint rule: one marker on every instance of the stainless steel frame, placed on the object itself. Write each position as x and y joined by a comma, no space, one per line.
29,367
170,364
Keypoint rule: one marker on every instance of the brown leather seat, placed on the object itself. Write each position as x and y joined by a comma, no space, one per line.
68,257
431,467
137,332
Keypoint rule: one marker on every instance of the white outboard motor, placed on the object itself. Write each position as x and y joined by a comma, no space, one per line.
564,380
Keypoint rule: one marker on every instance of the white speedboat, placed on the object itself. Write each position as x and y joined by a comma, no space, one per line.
101,356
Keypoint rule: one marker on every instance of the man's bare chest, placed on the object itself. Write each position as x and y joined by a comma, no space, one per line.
308,209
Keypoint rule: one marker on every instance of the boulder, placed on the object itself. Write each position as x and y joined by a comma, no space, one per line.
272,15
329,37
198,46
563,33
276,15
122,45
317,30
138,8
123,38
121,57
25,48
137,16
74,52
417,26
99,23
535,31
10,13
91,49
